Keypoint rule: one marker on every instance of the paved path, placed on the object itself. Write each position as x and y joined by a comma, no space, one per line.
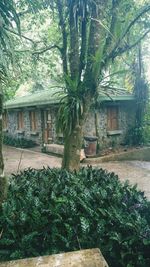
20,159
137,172
134,171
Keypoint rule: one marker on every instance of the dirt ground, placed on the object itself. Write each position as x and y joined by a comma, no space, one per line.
134,171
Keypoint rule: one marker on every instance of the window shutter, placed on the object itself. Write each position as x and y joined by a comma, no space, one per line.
33,124
108,118
20,120
112,118
5,120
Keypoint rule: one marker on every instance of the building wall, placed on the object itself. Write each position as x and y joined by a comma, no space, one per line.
26,132
126,115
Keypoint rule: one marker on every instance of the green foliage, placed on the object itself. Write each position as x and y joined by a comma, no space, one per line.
71,107
135,136
146,123
51,210
8,16
18,142
139,133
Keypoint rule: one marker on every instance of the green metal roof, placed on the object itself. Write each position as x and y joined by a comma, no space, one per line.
52,96
41,98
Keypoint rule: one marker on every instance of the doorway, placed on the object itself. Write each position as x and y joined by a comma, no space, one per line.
48,134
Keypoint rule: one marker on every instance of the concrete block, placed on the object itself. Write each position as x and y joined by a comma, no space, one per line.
83,258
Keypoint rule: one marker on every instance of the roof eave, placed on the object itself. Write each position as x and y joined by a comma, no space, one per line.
31,104
56,101
117,98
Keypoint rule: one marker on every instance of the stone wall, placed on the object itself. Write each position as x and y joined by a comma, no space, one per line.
26,132
126,115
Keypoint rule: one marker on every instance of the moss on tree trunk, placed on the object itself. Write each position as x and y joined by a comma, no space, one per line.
3,179
72,148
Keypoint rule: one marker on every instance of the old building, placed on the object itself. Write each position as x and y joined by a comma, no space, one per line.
34,117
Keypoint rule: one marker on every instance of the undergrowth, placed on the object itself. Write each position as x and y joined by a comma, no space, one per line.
51,211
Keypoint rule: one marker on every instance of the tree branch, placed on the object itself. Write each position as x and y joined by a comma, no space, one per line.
64,35
83,46
129,47
22,13
145,10
41,51
45,49
112,25
74,41
20,35
97,33
114,53
22,51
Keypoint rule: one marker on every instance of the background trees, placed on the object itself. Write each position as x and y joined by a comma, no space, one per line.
8,18
86,38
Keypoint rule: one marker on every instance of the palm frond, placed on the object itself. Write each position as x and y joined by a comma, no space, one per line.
71,107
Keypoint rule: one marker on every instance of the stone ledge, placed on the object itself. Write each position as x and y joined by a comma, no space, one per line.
83,258
20,131
34,133
142,154
54,149
5,130
59,150
115,132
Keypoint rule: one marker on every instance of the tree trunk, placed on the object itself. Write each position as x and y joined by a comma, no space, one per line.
72,148
3,180
87,79
97,131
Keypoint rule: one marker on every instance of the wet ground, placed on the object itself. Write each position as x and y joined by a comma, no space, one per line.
134,171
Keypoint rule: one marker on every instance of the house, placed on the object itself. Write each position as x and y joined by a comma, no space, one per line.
34,117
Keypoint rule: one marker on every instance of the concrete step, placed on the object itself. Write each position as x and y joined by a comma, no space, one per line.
82,258
54,149
141,154
59,150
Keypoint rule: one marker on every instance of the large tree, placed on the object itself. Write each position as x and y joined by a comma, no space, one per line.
94,33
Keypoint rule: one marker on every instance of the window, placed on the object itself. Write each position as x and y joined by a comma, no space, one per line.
33,122
5,120
112,118
20,120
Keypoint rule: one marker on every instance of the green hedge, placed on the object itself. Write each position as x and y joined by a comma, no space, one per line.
18,142
51,211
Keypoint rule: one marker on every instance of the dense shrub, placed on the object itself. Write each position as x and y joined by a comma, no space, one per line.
18,142
138,135
135,136
51,211
146,132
